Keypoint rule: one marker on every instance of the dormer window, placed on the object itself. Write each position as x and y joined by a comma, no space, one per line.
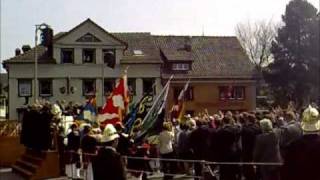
137,52
180,67
88,55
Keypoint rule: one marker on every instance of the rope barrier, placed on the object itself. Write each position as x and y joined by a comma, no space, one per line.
189,161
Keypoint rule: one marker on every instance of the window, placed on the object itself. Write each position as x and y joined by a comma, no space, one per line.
109,57
66,55
89,86
25,87
45,87
188,94
180,67
132,86
137,52
231,92
109,85
148,86
88,55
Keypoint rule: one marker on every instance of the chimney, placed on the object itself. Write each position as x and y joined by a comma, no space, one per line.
17,52
25,48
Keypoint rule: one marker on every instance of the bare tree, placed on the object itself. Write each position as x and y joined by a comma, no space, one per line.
256,39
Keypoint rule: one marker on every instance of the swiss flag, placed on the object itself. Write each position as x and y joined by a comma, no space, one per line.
116,104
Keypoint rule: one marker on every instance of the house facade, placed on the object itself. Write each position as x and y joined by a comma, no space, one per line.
220,73
87,60
79,67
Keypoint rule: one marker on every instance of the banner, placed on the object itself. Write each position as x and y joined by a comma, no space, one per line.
178,109
138,112
155,115
116,104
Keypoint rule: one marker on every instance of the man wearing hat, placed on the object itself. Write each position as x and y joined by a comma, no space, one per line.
302,160
108,163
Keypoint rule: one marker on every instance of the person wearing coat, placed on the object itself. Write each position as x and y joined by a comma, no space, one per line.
108,163
250,130
290,132
89,148
267,150
72,149
227,149
198,142
302,160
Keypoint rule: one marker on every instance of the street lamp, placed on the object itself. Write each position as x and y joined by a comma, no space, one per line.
35,84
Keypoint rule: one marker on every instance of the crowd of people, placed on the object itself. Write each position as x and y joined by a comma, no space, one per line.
282,144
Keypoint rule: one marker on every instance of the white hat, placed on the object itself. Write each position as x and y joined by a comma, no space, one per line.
109,133
310,121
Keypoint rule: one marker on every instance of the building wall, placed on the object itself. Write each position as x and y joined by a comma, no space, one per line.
206,96
60,73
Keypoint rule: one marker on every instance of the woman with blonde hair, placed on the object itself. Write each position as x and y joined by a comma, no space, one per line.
166,138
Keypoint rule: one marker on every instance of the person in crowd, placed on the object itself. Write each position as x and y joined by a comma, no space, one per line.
227,149
199,144
61,149
267,149
153,141
108,163
89,148
302,158
73,146
183,150
249,132
166,138
290,132
125,142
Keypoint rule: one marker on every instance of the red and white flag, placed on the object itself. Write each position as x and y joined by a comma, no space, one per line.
116,104
178,109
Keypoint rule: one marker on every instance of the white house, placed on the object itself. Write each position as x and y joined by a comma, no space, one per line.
79,66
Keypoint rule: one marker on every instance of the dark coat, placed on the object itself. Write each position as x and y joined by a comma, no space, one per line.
107,165
199,142
302,160
88,144
227,139
249,133
73,141
267,149
72,148
289,133
89,148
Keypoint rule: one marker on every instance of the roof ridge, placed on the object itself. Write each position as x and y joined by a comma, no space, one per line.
133,32
155,35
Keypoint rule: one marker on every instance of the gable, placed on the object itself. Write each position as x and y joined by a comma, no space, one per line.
88,38
90,33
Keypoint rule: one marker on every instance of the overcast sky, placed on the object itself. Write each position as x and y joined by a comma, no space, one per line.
175,17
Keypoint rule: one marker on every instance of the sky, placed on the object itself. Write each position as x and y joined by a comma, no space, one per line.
161,17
